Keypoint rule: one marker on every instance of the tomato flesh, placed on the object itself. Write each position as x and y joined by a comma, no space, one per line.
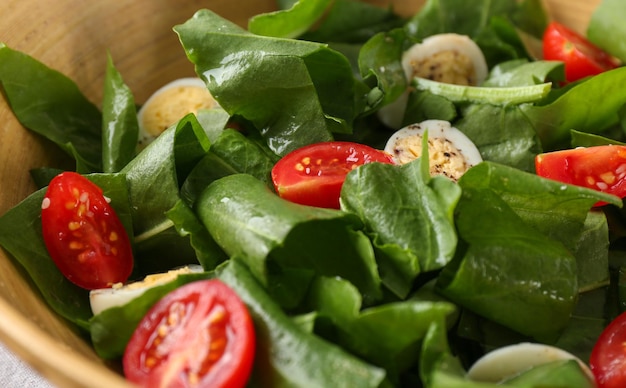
82,233
198,335
581,57
601,168
608,356
313,175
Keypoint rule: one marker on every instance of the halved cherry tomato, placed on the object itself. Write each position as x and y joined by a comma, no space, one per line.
82,233
581,57
313,175
608,356
602,168
199,335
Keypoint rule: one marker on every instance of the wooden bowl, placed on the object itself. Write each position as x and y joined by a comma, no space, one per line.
73,36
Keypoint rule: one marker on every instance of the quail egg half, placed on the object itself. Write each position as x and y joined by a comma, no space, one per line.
451,153
119,294
447,58
169,104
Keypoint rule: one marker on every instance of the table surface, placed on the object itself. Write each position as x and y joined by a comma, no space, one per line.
15,373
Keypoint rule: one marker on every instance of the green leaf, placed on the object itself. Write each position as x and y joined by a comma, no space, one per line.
517,269
502,134
485,95
520,73
230,153
286,355
312,96
209,254
289,23
408,215
388,335
120,128
352,21
286,244
606,27
380,57
590,106
50,104
153,177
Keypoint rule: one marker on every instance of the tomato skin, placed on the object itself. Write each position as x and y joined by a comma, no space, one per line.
581,57
313,175
601,168
608,356
83,235
199,335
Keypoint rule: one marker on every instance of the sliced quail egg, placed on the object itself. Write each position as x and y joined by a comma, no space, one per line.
512,360
450,152
448,58
119,294
169,104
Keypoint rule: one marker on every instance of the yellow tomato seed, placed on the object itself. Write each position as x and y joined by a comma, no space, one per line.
608,177
76,245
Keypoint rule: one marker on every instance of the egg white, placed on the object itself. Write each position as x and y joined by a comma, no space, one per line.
119,295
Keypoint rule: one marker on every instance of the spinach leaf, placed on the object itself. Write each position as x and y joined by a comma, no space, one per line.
350,21
120,128
510,272
606,27
380,57
284,244
286,355
312,96
153,177
21,236
502,134
230,153
408,216
53,107
207,251
438,367
517,255
590,106
520,72
289,23
388,335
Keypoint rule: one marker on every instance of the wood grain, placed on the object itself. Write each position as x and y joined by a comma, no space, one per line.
74,36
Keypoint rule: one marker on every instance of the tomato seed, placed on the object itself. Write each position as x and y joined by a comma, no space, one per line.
608,177
76,245
113,236
73,225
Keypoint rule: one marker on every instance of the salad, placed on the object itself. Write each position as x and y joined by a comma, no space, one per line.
415,276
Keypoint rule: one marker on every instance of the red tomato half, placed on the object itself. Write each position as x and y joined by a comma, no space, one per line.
608,357
601,168
581,57
199,335
83,235
313,175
